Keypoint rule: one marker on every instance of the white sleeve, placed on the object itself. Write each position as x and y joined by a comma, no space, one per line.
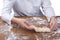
47,9
6,11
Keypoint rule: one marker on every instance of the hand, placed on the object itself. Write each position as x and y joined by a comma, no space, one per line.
53,23
25,24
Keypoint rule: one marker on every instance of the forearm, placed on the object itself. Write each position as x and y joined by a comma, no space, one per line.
14,20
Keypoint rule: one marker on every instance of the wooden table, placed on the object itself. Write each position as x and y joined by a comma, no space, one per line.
24,34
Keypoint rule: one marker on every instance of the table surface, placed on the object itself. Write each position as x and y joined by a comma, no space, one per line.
24,34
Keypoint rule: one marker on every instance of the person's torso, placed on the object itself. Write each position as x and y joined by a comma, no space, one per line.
27,7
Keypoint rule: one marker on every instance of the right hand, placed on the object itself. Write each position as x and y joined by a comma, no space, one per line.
25,24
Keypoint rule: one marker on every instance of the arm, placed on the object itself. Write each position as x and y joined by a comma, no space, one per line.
6,15
7,9
49,13
23,23
47,9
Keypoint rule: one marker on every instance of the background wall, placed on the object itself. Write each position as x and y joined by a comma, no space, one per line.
1,5
55,5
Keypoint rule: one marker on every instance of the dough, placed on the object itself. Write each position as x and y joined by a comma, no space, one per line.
42,29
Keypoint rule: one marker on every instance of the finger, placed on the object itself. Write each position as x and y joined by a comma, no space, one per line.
26,26
50,23
52,26
32,27
27,23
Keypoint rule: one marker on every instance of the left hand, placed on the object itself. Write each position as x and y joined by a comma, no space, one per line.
53,23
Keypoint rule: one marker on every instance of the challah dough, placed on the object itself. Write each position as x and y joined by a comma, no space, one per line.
42,29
